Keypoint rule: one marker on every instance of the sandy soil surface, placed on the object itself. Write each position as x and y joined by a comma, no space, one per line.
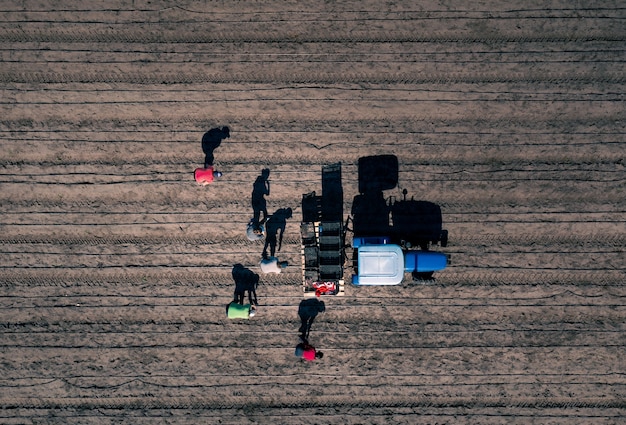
115,266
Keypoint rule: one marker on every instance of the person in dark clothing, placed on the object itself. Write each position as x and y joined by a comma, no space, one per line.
245,280
260,188
211,141
274,230
308,311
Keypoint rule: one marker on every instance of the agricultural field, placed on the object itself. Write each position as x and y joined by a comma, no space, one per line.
116,267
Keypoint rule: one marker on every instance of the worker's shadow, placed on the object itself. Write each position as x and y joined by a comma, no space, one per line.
275,229
308,311
211,140
245,281
260,188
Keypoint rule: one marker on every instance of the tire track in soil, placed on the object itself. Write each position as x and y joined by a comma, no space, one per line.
220,279
73,34
310,77
522,239
319,402
129,334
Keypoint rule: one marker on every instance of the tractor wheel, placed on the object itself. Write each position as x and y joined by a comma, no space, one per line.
421,276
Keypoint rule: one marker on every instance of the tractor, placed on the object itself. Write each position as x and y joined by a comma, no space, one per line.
390,237
386,232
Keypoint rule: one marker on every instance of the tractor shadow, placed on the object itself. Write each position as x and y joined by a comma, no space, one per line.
407,222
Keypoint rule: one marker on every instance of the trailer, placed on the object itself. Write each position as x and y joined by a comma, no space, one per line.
323,237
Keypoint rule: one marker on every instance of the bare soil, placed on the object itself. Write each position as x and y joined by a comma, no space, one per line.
115,265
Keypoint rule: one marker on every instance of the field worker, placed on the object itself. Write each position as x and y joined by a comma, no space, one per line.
254,232
205,176
272,265
210,141
234,310
307,352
